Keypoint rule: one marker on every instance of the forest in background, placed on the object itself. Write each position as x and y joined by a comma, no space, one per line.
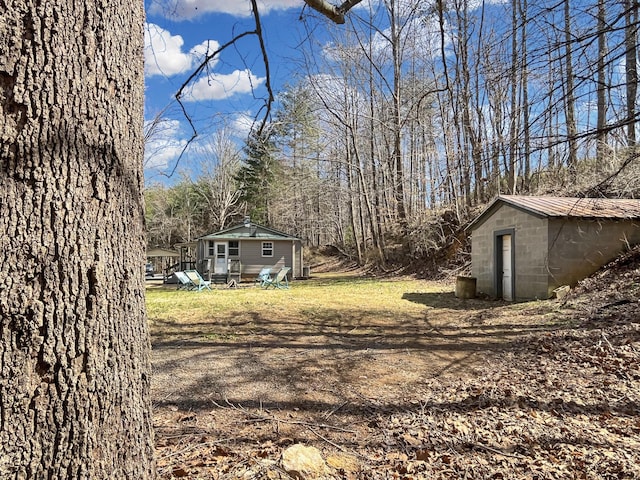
413,117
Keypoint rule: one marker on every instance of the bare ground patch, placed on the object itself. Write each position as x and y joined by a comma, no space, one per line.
453,389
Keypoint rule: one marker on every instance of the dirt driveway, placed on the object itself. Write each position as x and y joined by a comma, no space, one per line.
457,389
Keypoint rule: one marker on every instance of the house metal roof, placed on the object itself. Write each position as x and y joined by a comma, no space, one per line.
567,207
248,232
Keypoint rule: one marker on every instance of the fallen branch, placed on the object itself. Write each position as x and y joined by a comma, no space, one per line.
339,447
607,342
327,415
300,422
262,418
254,417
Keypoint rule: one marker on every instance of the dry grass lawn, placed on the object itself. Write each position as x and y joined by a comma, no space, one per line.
391,379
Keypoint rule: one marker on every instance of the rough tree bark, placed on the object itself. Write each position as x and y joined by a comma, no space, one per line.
74,349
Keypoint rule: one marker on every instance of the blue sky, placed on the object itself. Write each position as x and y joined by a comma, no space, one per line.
178,33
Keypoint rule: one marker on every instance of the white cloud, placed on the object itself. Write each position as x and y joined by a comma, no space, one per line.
188,9
163,53
220,86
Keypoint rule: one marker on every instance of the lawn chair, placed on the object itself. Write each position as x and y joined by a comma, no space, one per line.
199,282
184,282
264,276
280,280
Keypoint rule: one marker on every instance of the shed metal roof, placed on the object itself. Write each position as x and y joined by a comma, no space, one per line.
567,207
162,252
577,207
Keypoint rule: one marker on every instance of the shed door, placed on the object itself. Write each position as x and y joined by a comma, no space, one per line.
221,265
507,268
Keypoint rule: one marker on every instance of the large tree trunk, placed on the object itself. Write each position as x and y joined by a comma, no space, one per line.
631,67
397,157
74,349
526,119
514,125
601,89
570,99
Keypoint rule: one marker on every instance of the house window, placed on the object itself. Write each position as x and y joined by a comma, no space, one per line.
267,249
212,250
234,248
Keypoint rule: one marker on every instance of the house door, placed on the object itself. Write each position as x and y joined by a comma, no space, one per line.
507,268
221,263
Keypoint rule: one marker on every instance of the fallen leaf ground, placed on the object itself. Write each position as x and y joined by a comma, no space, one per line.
448,389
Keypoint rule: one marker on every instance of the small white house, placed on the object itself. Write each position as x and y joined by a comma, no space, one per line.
247,248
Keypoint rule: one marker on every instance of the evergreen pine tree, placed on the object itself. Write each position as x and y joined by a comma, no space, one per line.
257,175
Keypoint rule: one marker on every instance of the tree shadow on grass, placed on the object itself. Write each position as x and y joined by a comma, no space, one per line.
365,408
295,359
424,335
449,301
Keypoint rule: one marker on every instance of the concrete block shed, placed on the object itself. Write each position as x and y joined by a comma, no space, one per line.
523,247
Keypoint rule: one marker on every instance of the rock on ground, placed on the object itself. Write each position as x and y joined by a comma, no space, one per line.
305,463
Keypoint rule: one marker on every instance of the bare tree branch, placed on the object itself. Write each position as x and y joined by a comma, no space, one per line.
208,57
332,12
205,62
265,59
